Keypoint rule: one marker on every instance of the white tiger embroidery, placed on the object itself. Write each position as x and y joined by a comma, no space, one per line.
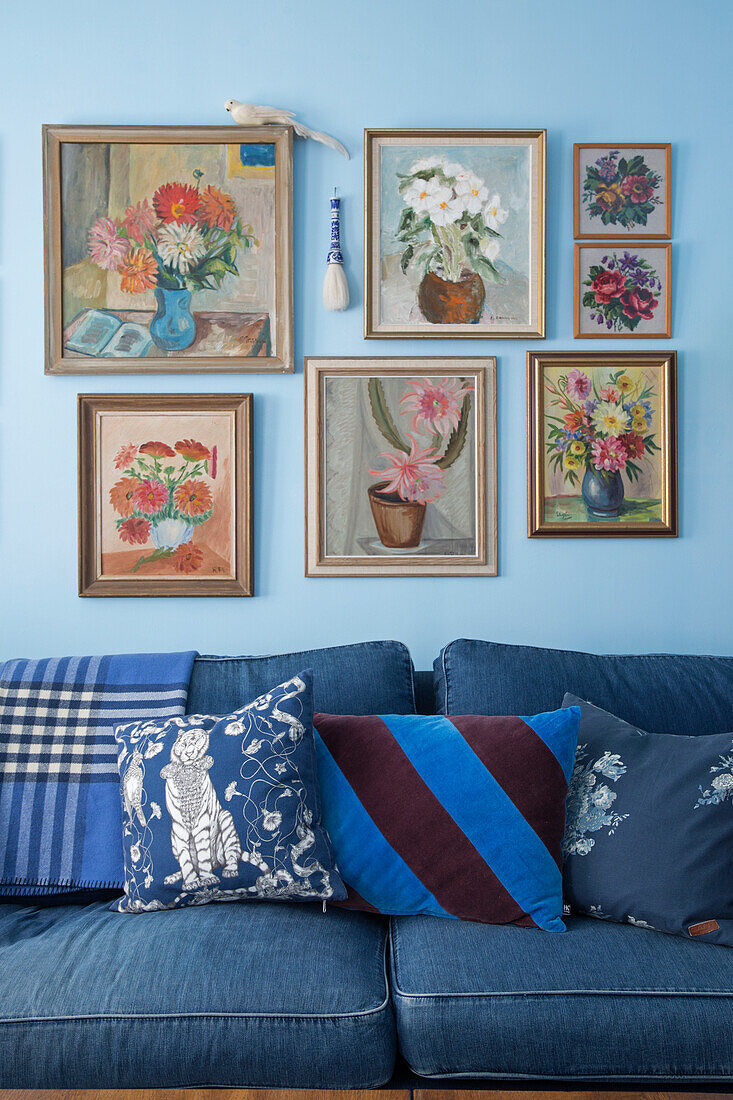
203,836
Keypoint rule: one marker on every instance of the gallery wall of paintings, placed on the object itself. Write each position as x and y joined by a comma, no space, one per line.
170,250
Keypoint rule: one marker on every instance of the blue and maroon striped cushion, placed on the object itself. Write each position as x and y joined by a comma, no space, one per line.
449,816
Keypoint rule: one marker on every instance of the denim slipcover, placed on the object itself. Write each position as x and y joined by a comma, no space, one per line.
273,996
662,693
366,678
604,1001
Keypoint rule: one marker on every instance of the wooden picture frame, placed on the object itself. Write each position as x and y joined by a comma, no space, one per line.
576,401
498,286
627,190
361,413
158,268
622,290
165,494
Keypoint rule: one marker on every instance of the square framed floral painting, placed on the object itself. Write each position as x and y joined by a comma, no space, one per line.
602,444
168,249
400,467
623,289
454,233
622,190
165,495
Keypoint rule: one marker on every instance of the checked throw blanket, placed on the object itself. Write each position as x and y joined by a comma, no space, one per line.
60,814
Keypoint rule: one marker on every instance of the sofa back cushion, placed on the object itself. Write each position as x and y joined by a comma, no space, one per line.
367,678
662,693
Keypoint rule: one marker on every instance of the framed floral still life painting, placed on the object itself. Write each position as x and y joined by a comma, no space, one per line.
168,249
455,233
400,467
602,444
165,495
622,190
623,290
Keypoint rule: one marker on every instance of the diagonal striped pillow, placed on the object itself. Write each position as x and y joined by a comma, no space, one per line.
449,816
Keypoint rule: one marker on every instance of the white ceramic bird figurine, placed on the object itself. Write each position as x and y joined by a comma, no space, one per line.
252,114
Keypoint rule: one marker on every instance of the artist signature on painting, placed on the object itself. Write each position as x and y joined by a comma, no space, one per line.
560,513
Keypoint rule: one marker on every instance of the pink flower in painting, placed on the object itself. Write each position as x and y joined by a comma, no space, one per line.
578,387
412,476
106,248
139,221
610,393
435,405
125,455
609,454
150,496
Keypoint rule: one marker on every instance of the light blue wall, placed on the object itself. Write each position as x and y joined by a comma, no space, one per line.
627,71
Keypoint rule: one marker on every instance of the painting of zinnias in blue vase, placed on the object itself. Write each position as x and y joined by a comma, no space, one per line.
602,426
167,250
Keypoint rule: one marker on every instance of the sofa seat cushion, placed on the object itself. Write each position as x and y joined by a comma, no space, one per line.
366,678
237,995
604,1001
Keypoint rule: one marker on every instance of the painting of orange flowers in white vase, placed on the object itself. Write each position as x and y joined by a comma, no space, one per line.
168,253
401,466
164,496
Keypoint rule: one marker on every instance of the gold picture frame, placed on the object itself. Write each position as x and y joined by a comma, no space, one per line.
648,202
165,494
616,313
115,291
363,412
404,296
609,418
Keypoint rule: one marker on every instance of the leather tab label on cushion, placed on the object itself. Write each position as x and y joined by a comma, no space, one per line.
704,927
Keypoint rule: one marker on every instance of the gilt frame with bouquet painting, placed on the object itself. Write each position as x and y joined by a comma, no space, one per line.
168,249
400,467
165,494
602,444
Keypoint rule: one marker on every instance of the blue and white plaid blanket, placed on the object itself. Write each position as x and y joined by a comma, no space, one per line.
60,813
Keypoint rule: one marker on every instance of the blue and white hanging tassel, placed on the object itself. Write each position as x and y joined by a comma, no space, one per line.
335,287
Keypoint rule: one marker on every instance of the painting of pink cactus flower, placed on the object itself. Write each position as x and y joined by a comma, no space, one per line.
401,467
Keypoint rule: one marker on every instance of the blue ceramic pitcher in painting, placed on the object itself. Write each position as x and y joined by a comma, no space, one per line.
603,493
173,328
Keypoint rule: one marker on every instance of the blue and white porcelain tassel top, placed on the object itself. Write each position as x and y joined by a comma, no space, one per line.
335,286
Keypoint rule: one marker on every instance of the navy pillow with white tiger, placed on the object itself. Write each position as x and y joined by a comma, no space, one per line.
225,809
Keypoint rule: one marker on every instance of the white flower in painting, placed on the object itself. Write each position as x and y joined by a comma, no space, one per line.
453,170
181,246
490,248
235,728
444,209
271,820
421,194
135,853
425,164
473,191
494,213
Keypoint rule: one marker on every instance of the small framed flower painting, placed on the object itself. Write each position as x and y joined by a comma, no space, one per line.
400,467
602,444
165,494
623,290
622,190
168,249
455,233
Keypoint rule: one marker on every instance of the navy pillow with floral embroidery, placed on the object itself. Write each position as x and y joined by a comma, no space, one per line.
225,809
649,828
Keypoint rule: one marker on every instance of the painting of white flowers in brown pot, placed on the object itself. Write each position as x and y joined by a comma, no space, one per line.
400,467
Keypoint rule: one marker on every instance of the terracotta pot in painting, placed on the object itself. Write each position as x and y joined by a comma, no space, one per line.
399,522
445,303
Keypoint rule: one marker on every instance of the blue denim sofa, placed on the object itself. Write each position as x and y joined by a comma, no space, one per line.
289,996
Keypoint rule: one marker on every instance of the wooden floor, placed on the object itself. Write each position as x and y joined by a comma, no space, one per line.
366,1094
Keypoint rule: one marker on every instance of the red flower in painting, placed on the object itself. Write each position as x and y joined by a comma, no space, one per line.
192,450
608,285
125,455
576,420
177,202
217,208
134,530
637,188
639,303
120,495
634,444
150,496
193,498
187,558
157,450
